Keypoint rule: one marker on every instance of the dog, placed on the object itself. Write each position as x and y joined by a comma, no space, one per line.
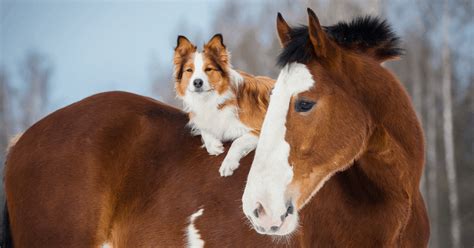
223,104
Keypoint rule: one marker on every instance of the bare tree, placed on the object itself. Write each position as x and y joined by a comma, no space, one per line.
162,82
448,130
35,72
423,52
5,114
5,121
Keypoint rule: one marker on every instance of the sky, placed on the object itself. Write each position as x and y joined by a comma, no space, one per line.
96,46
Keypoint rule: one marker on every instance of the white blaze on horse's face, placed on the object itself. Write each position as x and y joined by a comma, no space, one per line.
266,200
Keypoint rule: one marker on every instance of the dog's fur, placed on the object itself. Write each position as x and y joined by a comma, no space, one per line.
229,105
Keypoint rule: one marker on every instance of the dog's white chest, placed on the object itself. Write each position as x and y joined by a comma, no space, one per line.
224,123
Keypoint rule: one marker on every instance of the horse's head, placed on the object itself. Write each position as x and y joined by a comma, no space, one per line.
317,122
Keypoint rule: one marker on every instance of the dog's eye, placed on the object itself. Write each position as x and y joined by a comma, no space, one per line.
303,105
189,70
208,69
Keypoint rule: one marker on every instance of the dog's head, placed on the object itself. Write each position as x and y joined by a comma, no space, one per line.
202,74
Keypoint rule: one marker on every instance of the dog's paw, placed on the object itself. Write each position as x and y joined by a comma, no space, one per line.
214,148
228,166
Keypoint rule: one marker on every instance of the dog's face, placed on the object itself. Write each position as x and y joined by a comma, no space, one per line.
201,74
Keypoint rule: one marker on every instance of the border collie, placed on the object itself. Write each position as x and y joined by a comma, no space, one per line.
223,104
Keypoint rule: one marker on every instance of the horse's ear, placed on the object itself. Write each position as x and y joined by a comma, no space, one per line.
317,35
184,46
283,30
216,47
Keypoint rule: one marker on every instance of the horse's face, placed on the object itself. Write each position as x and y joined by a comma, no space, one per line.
312,130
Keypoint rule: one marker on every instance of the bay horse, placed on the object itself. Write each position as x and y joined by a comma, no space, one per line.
122,170
340,137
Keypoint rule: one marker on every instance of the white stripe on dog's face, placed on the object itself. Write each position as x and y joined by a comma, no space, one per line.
199,73
271,172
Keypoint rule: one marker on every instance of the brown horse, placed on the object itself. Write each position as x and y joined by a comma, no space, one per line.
122,170
335,109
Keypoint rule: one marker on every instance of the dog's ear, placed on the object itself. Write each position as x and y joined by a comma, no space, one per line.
215,46
216,42
183,50
184,46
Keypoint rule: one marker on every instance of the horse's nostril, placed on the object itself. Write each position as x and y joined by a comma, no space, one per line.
259,210
290,209
255,213
274,228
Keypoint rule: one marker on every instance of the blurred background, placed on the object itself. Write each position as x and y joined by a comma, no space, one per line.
53,53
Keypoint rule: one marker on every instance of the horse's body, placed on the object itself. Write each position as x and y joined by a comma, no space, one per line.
123,169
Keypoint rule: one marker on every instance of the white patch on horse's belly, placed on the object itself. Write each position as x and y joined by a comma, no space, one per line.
106,245
193,238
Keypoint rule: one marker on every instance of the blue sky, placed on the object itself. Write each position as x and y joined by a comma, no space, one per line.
97,46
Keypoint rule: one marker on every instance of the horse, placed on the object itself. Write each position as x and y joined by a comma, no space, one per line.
122,170
340,137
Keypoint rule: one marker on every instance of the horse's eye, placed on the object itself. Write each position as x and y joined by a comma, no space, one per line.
303,105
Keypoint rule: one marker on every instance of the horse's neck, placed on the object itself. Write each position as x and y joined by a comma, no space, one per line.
386,175
364,200
393,168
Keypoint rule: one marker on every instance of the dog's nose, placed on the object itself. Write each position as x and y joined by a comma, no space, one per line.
198,83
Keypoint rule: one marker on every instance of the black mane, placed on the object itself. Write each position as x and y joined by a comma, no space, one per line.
361,34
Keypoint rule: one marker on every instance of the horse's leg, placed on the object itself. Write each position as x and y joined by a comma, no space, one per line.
56,202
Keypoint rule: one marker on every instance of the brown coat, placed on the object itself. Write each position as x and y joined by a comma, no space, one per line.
122,168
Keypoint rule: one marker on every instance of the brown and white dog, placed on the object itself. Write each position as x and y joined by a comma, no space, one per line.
223,104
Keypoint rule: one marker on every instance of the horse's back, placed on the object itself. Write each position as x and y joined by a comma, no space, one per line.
124,169
66,170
